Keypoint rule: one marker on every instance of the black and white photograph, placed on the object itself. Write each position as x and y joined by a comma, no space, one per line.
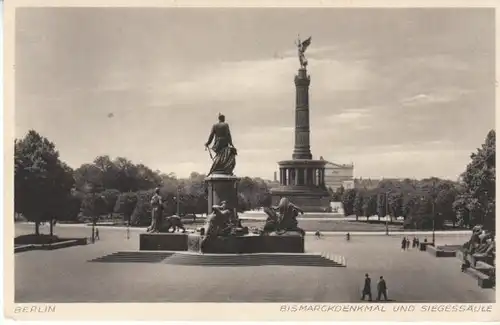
254,155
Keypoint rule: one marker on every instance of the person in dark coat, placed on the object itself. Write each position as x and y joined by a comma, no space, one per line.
367,288
403,243
381,289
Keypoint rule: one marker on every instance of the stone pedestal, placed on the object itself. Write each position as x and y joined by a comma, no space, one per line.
222,188
248,244
291,242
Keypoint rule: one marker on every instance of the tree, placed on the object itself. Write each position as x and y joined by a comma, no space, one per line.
93,206
381,205
444,210
461,210
110,196
479,185
71,206
142,212
420,215
125,205
409,202
339,193
254,190
370,203
243,203
88,177
120,174
395,204
359,203
41,179
348,201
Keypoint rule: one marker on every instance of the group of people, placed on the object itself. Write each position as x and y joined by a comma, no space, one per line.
415,242
381,288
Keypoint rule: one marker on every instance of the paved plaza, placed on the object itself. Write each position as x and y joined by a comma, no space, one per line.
66,275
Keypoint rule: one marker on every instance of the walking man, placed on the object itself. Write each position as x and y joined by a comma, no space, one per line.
403,243
367,289
381,289
97,234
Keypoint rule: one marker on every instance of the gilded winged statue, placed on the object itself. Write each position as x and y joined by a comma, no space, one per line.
302,47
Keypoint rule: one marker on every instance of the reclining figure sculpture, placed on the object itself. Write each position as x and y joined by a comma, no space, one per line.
282,218
481,245
222,222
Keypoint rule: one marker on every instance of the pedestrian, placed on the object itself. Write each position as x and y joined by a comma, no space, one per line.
403,243
381,289
348,236
97,234
418,242
317,234
407,244
367,288
414,242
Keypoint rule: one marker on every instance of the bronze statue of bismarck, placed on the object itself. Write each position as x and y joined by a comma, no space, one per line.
225,152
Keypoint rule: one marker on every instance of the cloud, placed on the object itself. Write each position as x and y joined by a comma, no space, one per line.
165,91
349,116
442,96
260,79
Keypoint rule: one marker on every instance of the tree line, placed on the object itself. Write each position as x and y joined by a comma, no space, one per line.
431,202
47,189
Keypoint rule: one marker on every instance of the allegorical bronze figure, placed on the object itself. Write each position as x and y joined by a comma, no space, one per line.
225,152
283,218
302,47
156,212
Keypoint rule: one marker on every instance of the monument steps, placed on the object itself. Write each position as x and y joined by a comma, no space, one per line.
251,260
339,259
196,259
134,257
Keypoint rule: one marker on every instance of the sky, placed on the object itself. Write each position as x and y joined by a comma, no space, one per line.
397,92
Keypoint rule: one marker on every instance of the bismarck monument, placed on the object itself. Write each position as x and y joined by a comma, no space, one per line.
223,232
302,179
